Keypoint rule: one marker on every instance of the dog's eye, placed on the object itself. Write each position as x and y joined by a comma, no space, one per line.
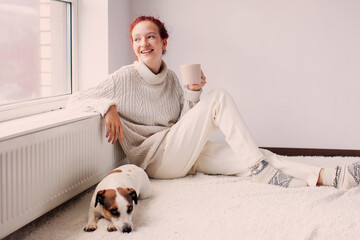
130,208
114,212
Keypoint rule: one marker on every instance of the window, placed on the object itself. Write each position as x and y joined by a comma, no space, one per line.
36,55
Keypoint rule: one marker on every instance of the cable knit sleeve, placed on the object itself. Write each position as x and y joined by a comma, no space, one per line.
188,98
96,99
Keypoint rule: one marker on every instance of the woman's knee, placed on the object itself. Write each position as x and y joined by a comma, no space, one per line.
219,94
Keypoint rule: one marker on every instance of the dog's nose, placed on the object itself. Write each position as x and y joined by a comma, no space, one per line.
126,229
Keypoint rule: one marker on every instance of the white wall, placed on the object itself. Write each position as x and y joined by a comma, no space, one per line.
103,39
293,67
92,42
120,51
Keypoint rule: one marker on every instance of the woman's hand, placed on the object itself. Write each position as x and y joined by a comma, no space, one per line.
197,87
114,128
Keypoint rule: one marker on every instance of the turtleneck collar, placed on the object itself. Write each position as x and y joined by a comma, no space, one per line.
148,75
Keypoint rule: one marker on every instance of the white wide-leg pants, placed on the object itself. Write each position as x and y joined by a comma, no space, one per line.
187,146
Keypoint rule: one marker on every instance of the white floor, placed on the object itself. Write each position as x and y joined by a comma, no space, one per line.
218,207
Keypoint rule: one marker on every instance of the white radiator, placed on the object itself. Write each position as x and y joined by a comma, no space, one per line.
40,170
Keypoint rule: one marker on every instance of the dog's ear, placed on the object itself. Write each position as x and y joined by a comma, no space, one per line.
132,194
100,197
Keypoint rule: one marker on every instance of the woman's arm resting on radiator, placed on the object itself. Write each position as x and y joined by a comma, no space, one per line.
114,128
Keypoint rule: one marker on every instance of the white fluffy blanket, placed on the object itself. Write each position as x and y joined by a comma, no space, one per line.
219,207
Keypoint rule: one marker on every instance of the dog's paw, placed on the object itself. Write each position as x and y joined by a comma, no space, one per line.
111,228
90,228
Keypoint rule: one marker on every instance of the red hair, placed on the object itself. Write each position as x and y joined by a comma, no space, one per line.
161,26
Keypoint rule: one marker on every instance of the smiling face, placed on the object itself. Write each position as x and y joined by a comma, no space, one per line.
148,45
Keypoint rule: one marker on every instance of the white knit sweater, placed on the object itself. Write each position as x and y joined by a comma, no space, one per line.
148,105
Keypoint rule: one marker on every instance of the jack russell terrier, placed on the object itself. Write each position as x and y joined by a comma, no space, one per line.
114,195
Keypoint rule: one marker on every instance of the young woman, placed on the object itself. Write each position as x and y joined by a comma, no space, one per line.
164,128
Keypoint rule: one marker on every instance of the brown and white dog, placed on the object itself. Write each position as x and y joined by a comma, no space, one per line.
114,196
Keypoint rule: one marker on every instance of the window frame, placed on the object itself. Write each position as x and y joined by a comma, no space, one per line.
36,106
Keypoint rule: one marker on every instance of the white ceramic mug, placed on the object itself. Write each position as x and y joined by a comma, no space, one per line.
190,73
